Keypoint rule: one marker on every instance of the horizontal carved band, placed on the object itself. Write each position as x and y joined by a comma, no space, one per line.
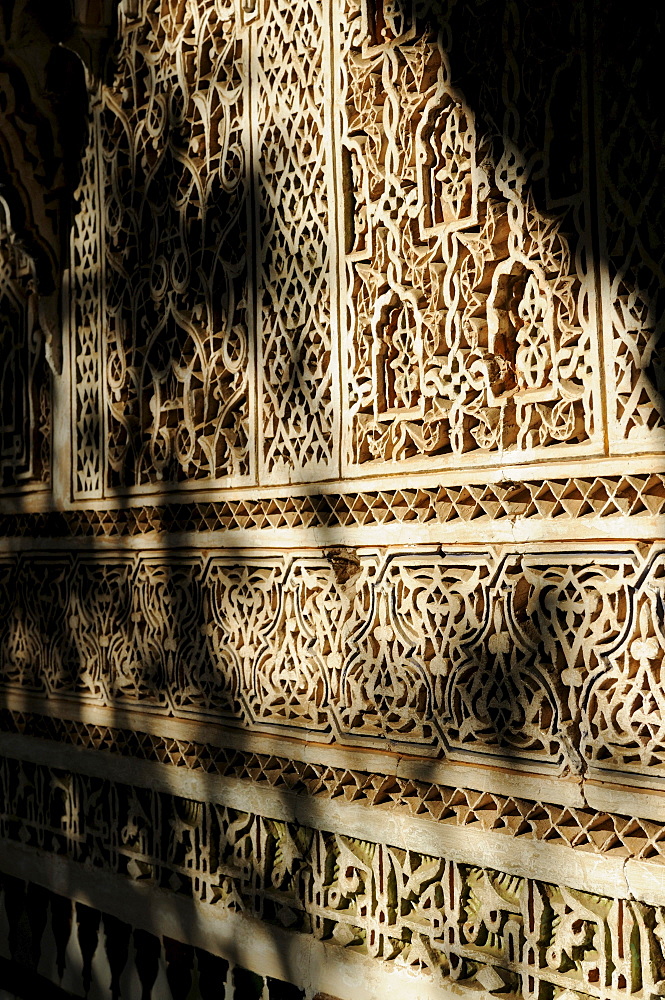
592,831
549,500
459,923
543,658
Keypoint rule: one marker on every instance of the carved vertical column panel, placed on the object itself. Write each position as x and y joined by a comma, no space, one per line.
296,259
25,379
175,354
87,375
632,247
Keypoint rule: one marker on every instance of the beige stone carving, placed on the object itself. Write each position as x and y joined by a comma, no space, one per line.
466,317
331,559
453,922
469,323
540,657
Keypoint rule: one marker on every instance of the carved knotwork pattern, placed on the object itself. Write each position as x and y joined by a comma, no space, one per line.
544,657
86,314
467,312
296,310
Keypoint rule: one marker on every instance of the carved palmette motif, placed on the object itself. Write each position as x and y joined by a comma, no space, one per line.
455,922
547,657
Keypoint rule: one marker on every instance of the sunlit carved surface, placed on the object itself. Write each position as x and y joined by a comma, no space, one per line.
593,831
295,279
331,573
453,923
544,657
466,319
468,315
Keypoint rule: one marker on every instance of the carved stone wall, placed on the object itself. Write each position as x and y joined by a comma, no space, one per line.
332,557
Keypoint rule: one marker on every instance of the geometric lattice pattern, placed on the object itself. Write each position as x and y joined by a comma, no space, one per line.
332,609
322,249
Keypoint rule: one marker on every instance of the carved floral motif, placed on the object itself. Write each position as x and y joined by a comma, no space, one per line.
548,657
459,924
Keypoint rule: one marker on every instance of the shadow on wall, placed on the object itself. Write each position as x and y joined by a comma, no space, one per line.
146,631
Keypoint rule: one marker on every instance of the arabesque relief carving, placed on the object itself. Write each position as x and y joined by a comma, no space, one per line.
464,322
331,563
541,657
174,195
454,923
468,314
465,318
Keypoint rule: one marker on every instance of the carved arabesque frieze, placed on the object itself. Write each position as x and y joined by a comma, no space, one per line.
541,657
458,923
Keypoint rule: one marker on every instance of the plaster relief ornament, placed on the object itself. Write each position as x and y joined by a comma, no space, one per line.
331,498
